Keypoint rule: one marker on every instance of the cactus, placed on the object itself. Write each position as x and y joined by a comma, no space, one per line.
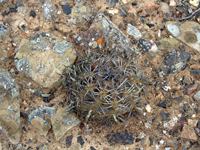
105,86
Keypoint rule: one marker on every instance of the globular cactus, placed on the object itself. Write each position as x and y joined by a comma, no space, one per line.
105,86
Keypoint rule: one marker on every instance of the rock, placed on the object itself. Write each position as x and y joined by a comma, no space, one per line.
113,11
187,32
112,2
80,140
43,57
168,43
163,7
48,10
172,142
66,9
122,138
197,96
81,13
63,121
188,133
32,13
9,107
145,141
102,30
163,116
148,108
194,2
133,31
144,45
192,122
195,74
154,47
193,88
3,56
174,61
4,30
38,121
47,110
69,141
172,3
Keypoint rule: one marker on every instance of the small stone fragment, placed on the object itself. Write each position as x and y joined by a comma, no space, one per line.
163,7
32,13
173,29
195,74
197,96
37,119
80,140
168,43
47,110
66,9
163,116
188,133
172,3
3,31
148,108
144,45
193,88
192,122
132,30
62,121
172,142
113,11
69,141
112,2
3,55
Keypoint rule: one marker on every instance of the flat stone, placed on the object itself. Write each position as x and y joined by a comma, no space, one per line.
3,31
197,96
81,13
103,28
174,61
43,57
38,121
168,43
3,55
187,32
132,30
188,133
172,142
62,122
9,107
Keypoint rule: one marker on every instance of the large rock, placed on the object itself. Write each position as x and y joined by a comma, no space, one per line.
43,56
62,121
188,32
103,28
9,107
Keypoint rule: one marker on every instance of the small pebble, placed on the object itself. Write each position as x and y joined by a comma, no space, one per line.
66,9
32,13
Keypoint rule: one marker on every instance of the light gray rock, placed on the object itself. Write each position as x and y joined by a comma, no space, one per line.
197,96
132,30
3,31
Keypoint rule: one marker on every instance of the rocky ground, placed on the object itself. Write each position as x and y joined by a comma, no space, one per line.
38,38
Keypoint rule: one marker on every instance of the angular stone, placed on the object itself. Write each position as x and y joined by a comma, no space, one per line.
132,30
81,13
168,43
188,133
62,122
3,31
193,88
43,57
195,74
112,2
9,107
38,121
187,32
163,7
103,28
174,61
3,56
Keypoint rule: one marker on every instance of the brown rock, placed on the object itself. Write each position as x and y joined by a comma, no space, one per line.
188,133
